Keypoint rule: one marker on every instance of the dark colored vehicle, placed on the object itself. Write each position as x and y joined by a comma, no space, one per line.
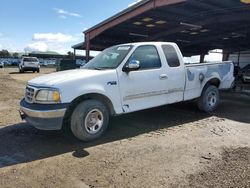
243,70
246,76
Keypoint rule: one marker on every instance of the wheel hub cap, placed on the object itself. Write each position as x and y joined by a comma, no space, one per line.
212,99
94,121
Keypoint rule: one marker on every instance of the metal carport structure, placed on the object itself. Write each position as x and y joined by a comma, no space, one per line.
197,26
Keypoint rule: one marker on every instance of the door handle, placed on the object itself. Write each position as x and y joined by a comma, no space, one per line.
163,76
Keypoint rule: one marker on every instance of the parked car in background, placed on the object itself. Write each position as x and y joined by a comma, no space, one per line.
1,64
5,62
29,64
80,63
15,62
243,70
246,76
43,63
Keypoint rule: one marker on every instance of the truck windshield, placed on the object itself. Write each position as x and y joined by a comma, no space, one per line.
109,58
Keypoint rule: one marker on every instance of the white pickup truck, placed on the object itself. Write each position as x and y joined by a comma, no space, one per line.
121,79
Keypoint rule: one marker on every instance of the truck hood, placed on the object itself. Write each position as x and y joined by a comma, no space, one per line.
53,79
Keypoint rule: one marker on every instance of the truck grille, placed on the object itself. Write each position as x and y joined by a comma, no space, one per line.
29,94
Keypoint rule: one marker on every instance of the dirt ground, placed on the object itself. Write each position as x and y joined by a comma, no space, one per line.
172,146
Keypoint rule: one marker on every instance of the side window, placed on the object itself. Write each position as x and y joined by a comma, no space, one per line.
171,56
148,57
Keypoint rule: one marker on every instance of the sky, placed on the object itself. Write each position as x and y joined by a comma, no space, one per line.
51,25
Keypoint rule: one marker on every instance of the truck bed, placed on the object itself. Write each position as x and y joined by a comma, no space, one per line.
200,73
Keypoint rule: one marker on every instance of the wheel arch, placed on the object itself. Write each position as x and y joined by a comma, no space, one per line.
89,96
214,81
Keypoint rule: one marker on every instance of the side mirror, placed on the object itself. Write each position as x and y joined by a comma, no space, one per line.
131,66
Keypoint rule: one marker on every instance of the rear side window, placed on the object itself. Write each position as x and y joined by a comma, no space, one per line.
171,55
148,57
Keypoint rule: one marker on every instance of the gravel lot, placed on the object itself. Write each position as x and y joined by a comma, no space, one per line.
172,146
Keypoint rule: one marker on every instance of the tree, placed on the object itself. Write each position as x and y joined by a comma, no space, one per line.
70,55
4,53
15,55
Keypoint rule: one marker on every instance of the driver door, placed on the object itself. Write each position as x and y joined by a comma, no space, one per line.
145,87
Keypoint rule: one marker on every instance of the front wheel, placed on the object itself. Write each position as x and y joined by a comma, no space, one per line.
209,99
89,120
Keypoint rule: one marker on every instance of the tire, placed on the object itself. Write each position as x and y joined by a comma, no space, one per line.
209,99
89,120
38,70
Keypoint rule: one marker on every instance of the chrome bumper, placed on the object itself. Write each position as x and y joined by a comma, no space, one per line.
44,113
44,117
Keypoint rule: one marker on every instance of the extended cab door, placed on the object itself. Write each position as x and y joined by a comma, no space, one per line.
175,70
149,85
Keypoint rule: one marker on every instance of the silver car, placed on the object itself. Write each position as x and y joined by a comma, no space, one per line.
29,64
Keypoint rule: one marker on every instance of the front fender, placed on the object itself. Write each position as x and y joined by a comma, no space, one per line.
110,92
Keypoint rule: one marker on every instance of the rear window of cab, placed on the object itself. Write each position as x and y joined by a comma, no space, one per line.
30,59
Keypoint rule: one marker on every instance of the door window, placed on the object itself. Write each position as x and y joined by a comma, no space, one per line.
171,55
147,56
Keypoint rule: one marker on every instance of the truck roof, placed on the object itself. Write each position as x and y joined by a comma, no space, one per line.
148,43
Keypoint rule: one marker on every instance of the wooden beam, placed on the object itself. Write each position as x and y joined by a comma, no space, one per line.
74,53
226,53
161,3
87,43
202,58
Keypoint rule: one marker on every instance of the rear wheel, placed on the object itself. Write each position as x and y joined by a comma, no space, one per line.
89,120
209,99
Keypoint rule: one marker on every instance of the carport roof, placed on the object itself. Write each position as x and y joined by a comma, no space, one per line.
195,25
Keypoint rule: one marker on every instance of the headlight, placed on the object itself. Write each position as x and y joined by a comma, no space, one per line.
48,96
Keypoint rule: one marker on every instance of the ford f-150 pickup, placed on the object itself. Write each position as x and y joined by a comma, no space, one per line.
121,79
